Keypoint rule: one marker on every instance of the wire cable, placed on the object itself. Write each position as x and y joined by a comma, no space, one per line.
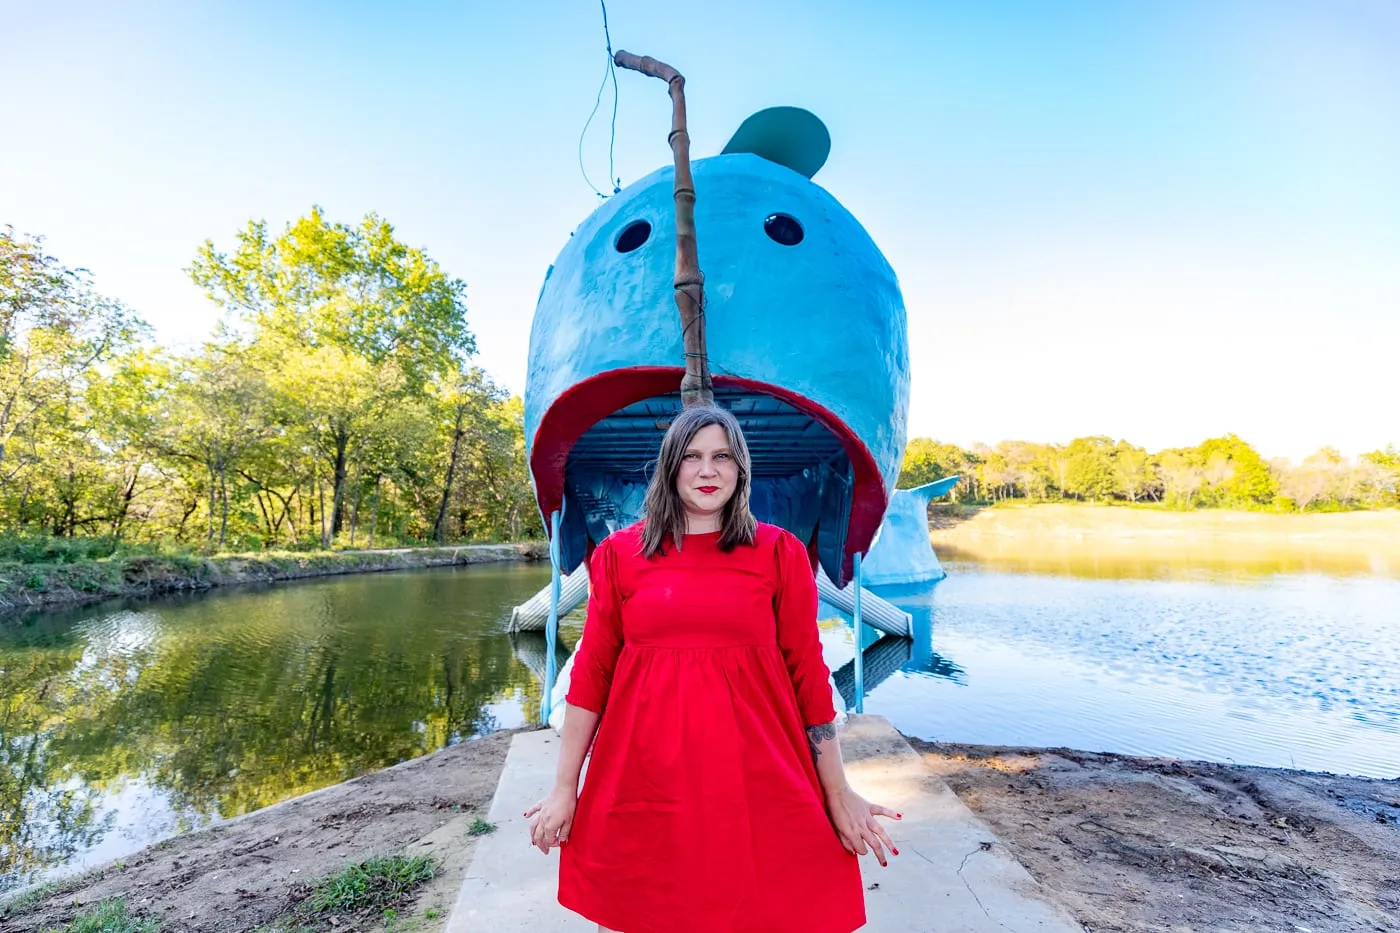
608,75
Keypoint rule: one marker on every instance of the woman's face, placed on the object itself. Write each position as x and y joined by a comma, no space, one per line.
708,474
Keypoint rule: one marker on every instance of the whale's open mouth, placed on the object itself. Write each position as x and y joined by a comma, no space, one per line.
596,446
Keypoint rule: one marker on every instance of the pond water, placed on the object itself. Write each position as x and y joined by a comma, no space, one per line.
1279,669
124,723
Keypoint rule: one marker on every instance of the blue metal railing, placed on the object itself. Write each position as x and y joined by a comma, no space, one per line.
860,641
551,629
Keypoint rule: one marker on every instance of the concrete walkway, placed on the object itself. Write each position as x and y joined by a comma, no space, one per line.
951,875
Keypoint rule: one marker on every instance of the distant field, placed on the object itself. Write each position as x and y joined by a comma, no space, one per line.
1054,534
1052,520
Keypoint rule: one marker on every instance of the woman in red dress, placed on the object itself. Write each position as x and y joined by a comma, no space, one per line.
715,799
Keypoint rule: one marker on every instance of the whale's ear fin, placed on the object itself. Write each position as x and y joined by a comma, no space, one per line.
789,136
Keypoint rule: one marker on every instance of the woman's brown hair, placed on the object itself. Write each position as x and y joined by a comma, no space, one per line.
665,513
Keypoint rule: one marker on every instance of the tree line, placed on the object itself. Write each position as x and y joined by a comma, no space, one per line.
1222,472
335,404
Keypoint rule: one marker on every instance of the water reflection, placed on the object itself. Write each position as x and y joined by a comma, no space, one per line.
885,655
46,812
1278,670
920,602
124,723
532,649
881,659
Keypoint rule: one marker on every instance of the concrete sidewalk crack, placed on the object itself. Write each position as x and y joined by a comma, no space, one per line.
981,847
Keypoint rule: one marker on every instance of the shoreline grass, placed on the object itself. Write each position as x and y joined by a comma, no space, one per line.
109,916
1062,519
69,582
380,883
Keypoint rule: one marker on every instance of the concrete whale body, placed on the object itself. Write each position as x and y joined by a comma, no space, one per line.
807,343
903,554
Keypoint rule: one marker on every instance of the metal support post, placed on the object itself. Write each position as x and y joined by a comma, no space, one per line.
551,629
860,641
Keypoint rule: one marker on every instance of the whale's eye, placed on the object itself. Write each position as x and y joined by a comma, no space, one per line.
633,236
783,228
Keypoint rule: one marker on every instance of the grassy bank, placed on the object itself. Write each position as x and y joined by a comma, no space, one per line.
384,852
25,586
1063,520
1197,846
1107,539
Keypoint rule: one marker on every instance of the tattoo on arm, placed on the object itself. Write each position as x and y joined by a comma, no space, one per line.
819,734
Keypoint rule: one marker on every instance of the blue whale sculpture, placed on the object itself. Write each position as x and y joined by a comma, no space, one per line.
807,343
903,554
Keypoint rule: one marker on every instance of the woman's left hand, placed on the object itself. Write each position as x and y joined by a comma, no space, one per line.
853,817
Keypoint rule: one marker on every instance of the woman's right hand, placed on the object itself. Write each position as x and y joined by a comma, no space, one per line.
553,818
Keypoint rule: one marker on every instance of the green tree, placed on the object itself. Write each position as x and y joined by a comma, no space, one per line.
358,289
465,406
1021,469
1135,473
339,400
337,393
1056,463
53,331
123,406
1308,483
926,461
994,476
1237,474
1385,475
1182,477
362,322
498,501
401,467
218,411
1089,472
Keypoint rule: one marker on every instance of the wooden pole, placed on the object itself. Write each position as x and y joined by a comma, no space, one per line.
696,388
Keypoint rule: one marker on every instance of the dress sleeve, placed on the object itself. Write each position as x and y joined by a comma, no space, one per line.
795,606
591,678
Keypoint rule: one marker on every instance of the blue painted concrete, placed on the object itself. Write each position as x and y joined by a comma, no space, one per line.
903,554
615,502
823,319
789,136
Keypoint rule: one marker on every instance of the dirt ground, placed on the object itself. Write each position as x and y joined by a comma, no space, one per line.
240,875
1127,844
1142,844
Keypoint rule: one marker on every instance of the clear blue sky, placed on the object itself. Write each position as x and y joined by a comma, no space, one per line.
1155,220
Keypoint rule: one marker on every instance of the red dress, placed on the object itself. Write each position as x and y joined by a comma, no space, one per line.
701,811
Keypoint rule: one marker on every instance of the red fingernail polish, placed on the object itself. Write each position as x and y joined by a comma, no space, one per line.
895,851
899,816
